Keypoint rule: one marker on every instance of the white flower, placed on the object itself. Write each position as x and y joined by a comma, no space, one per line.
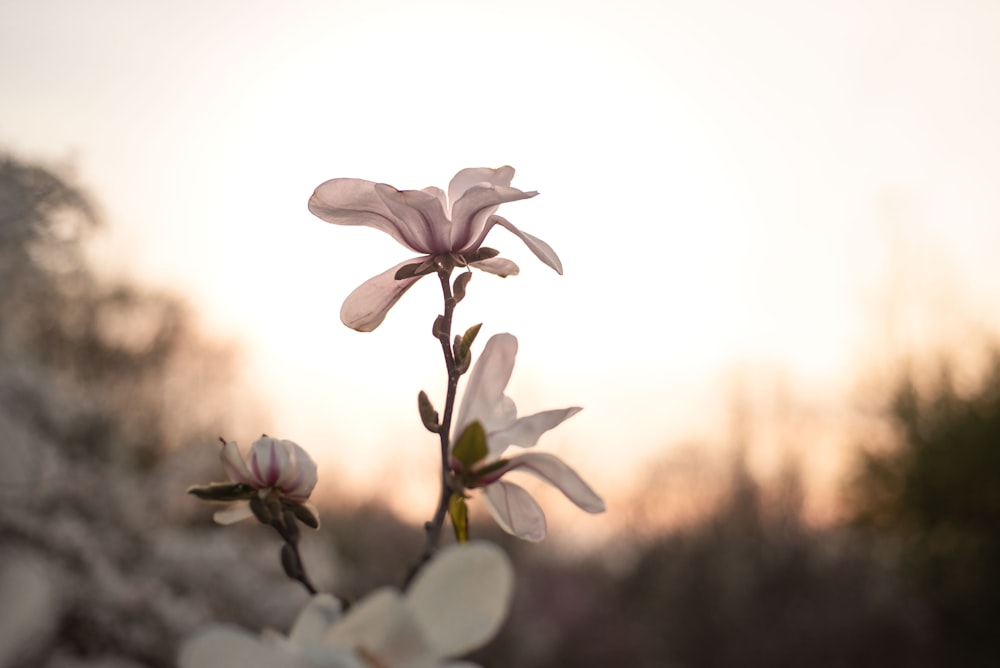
454,605
477,464
276,468
442,227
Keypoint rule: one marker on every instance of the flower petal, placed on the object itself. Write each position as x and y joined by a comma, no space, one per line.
542,250
233,464
382,625
312,624
229,647
497,265
356,202
268,461
469,215
366,307
298,481
441,597
236,512
527,430
515,511
470,176
484,399
555,471
421,213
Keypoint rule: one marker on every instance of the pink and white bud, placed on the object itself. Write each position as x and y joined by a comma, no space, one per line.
272,464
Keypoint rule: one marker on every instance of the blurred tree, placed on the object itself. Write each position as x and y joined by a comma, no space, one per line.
937,494
110,405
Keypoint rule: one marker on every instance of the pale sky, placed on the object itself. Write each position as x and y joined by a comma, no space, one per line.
771,195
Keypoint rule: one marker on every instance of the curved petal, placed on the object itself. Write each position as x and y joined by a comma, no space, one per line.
527,430
484,399
366,307
470,176
300,478
454,622
422,214
322,611
233,464
502,267
236,512
470,213
515,511
542,250
268,461
356,202
382,625
555,471
229,647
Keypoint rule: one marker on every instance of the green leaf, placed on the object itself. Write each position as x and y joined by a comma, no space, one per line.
470,335
462,348
459,513
471,446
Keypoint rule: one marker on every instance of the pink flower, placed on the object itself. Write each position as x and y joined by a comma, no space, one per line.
487,425
443,228
275,468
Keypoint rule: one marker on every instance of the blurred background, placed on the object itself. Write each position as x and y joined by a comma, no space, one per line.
779,224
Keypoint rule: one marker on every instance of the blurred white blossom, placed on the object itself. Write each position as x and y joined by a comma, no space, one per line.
454,605
487,424
444,228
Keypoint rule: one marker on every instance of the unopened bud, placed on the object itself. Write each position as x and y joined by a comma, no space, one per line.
305,513
428,415
290,562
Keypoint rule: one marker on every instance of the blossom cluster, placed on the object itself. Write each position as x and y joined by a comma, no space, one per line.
456,597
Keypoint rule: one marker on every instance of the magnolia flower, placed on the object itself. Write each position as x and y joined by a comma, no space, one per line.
446,229
276,471
487,423
455,604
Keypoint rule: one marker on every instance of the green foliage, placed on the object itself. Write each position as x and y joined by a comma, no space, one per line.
471,446
459,513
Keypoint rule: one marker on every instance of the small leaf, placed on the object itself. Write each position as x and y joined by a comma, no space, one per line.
462,355
459,513
428,415
470,335
462,348
471,446
461,282
222,491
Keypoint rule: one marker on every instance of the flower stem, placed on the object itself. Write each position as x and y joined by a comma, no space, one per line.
442,331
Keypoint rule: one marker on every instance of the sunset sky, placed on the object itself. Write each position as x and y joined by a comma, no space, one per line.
764,199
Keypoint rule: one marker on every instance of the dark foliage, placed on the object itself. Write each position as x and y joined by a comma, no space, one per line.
937,495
